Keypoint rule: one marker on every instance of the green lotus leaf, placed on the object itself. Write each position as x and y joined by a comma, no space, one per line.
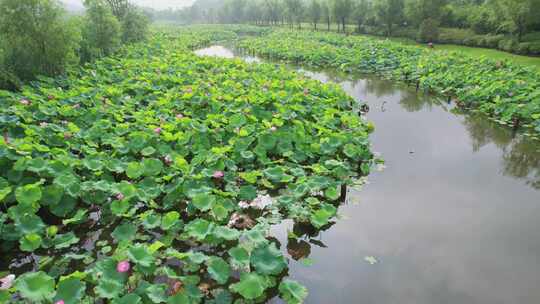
35,286
120,207
268,259
141,255
109,289
152,166
92,163
148,151
247,193
239,257
322,216
30,242
203,201
134,170
65,240
275,174
37,165
179,298
66,180
29,223
237,120
218,269
70,290
199,229
251,285
292,292
333,193
169,220
157,293
52,195
128,299
127,189
227,233
28,194
5,190
125,232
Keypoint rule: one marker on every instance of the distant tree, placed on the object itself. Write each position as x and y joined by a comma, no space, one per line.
273,11
517,16
327,13
342,10
315,12
294,11
119,7
361,12
101,31
134,25
36,38
389,12
417,11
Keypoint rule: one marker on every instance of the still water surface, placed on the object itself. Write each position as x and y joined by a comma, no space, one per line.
454,218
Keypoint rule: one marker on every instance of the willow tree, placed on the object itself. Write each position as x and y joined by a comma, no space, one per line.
342,10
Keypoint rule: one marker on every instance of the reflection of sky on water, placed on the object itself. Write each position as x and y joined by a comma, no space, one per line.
452,219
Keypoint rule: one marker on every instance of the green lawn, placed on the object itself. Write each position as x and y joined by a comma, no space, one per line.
491,53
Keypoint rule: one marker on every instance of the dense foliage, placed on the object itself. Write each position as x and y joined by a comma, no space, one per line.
37,37
153,176
510,25
506,92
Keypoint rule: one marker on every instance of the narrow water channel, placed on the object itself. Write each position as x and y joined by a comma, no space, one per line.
453,218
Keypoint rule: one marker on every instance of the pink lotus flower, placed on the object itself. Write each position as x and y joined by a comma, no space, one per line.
76,106
157,130
59,302
273,129
306,92
120,196
168,160
43,124
218,174
24,102
123,266
179,116
7,282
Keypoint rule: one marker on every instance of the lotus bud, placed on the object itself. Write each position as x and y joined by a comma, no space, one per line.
59,302
123,266
24,102
218,174
7,282
157,130
120,196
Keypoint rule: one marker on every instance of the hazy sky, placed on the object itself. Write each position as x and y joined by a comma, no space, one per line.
157,4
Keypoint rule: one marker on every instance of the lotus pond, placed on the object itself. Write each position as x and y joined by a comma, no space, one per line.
156,175
161,176
451,219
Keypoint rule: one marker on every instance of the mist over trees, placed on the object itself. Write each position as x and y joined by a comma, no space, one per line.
511,25
38,37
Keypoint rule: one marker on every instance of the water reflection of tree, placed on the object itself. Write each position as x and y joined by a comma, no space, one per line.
413,101
379,87
520,154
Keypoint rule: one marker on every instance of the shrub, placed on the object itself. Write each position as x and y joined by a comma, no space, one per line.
508,44
429,30
101,31
134,26
37,39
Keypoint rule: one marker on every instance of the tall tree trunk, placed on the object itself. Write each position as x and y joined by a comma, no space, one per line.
343,25
328,23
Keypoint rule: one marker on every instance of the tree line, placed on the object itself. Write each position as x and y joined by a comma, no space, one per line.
504,24
38,37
